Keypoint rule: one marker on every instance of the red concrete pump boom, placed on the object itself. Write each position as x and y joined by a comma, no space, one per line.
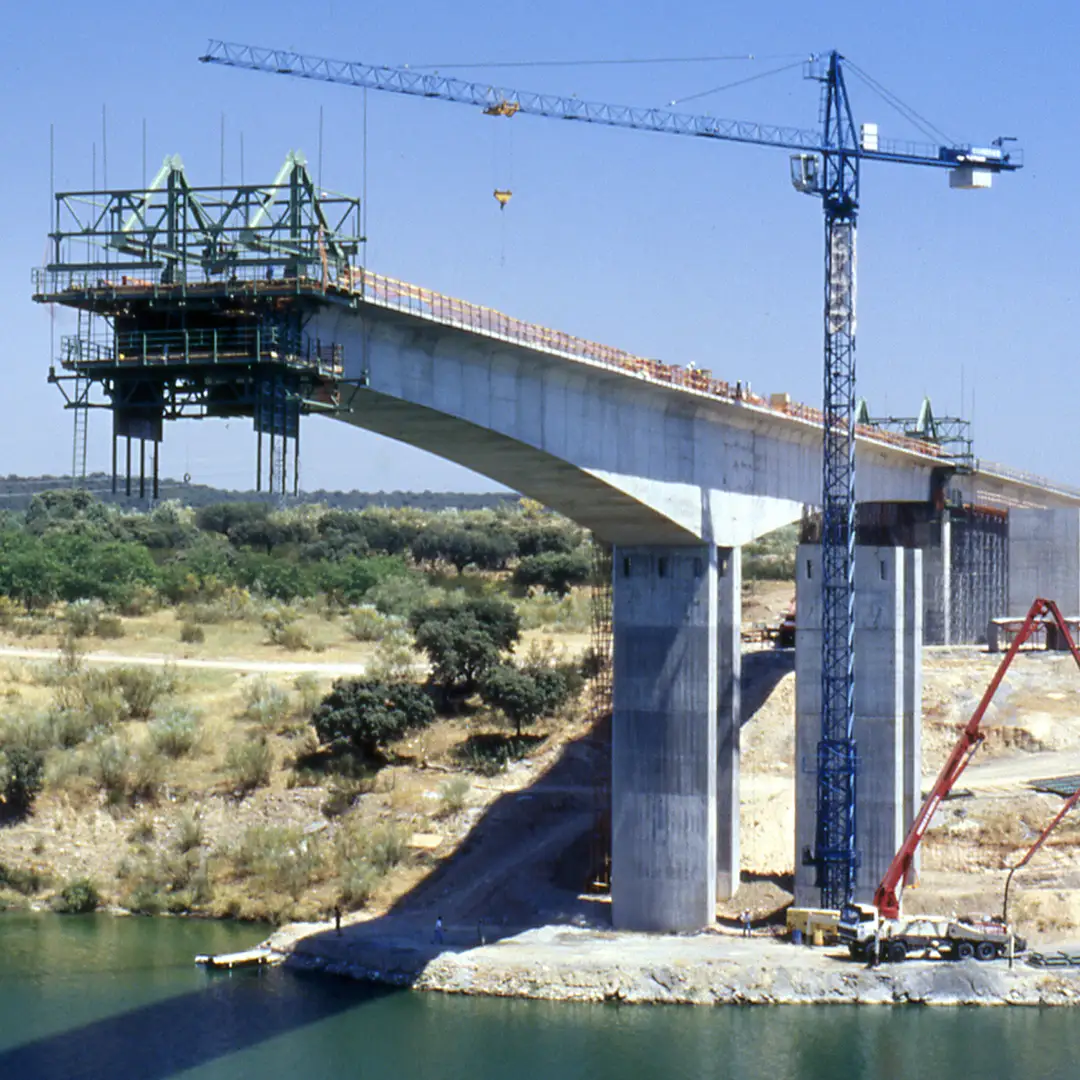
887,896
1069,803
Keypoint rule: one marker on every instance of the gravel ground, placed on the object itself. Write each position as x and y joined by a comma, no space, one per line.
565,963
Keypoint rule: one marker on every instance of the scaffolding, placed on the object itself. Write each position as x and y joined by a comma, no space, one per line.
197,302
980,571
600,710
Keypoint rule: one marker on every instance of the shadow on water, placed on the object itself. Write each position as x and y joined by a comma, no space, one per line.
168,1037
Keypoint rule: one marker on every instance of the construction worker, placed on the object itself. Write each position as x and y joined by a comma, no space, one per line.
873,952
745,919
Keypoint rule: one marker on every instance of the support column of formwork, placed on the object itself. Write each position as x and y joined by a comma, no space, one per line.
913,642
880,619
728,719
937,585
1044,559
664,739
979,574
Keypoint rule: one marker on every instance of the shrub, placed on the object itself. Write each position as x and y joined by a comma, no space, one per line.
267,704
141,600
571,613
189,833
307,686
8,612
356,883
281,857
124,773
176,732
282,629
192,634
141,688
394,657
350,580
22,772
464,640
78,897
521,697
165,881
82,617
554,571
386,847
109,627
489,753
84,703
27,882
453,794
142,832
365,715
401,595
367,624
250,763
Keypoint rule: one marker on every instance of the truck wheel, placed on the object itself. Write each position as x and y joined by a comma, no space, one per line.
896,952
985,950
963,950
856,951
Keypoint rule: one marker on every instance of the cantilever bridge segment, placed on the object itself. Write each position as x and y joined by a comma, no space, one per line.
247,301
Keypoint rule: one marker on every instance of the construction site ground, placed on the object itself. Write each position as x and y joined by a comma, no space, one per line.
509,865
515,881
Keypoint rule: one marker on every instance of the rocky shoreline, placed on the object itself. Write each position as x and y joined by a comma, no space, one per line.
560,963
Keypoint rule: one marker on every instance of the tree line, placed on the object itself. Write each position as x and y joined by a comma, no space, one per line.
69,546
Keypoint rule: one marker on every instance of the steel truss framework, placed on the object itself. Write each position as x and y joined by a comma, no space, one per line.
951,433
193,302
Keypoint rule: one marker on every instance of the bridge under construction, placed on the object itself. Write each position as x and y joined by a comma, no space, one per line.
247,301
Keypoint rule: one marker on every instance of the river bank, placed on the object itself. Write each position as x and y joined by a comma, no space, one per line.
576,964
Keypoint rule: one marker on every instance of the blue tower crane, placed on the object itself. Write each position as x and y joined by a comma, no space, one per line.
826,164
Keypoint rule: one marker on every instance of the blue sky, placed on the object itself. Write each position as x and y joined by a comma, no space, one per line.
675,248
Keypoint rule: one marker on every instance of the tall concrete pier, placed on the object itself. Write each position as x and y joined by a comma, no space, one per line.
888,687
1044,559
675,744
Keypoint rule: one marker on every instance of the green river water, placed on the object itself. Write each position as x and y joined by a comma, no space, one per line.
119,999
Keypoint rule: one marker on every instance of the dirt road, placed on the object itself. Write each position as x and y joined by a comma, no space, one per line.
268,667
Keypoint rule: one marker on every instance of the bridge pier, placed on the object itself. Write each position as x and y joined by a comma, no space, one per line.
964,563
1044,559
888,712
675,739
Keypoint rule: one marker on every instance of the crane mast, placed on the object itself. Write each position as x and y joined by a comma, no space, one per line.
835,855
826,164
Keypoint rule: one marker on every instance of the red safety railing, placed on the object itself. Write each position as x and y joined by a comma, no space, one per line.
423,303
